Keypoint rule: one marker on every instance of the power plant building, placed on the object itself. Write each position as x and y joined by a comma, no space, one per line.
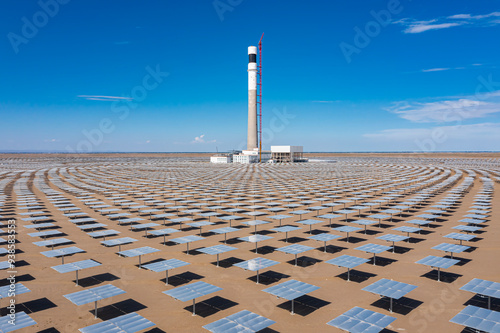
287,154
278,154
221,158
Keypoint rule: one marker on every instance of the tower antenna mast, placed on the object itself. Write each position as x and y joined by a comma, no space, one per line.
259,96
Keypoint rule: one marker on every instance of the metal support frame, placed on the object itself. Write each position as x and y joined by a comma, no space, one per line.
259,97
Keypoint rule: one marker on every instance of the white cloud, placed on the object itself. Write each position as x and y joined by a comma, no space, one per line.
455,131
399,134
414,26
475,17
460,16
435,69
200,139
104,98
449,110
442,69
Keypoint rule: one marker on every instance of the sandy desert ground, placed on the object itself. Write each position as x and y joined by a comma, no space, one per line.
186,186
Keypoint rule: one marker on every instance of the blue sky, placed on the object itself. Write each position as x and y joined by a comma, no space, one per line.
172,75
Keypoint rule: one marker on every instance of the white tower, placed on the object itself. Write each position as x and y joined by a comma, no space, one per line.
252,98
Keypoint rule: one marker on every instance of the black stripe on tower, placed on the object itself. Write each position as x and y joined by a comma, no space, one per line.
252,58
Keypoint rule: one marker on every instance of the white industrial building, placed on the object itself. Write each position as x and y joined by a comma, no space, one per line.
287,154
245,159
252,156
278,154
221,158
